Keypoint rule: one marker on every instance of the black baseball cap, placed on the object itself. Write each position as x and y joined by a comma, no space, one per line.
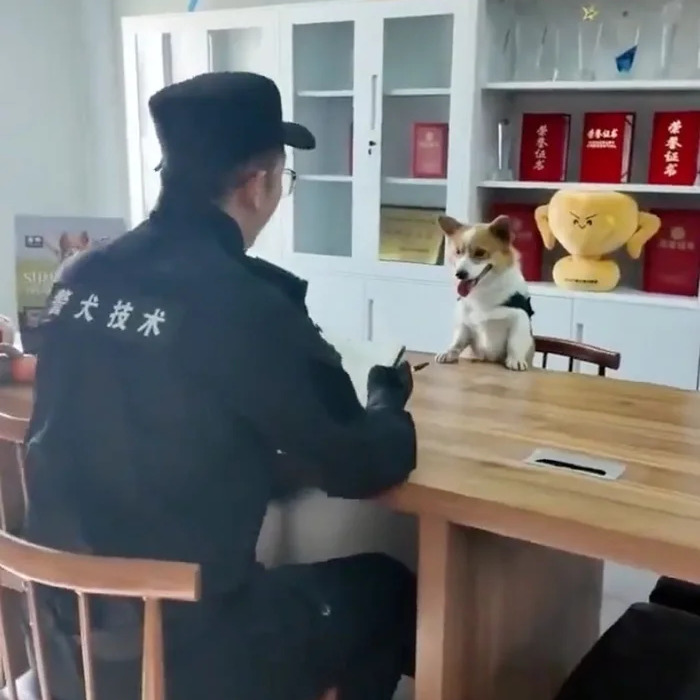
220,120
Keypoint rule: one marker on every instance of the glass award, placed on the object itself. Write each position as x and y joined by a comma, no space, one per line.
536,42
621,38
671,16
503,171
589,41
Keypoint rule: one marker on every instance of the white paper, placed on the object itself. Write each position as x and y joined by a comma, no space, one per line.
359,356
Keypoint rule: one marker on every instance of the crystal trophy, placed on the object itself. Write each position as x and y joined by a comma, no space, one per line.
503,46
696,51
503,170
590,36
621,44
535,38
671,19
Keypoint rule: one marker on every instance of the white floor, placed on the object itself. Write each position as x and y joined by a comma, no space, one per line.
622,587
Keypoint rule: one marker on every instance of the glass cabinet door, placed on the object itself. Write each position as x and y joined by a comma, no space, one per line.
320,95
184,46
411,177
245,41
415,130
147,69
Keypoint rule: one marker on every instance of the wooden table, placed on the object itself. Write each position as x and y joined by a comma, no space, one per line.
510,572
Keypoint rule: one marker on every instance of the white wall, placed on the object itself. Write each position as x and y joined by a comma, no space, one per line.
44,117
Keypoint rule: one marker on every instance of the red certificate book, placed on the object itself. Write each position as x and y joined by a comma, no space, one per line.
544,147
675,148
606,152
430,150
672,256
527,241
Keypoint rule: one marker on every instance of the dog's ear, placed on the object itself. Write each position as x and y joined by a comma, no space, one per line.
84,238
449,225
501,228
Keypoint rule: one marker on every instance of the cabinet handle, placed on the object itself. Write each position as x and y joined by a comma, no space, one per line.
370,319
578,337
373,103
210,51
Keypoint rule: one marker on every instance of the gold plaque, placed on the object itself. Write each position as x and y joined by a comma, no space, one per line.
410,234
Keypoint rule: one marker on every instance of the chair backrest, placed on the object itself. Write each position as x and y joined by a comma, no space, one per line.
575,351
151,581
12,431
24,565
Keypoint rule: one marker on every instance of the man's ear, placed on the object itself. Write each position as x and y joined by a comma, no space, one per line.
449,225
500,227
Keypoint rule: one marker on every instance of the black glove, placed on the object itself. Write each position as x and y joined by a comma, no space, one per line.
389,387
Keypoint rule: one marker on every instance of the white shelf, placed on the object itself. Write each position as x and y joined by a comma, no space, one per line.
596,86
434,181
632,187
631,296
325,178
417,92
325,93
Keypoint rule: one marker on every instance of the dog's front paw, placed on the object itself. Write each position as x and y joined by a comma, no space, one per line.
516,364
447,358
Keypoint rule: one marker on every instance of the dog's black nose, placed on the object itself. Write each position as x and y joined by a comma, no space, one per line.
461,275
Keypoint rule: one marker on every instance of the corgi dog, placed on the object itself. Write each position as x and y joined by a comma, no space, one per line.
494,313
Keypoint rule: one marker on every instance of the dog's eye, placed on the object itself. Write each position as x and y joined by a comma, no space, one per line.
479,253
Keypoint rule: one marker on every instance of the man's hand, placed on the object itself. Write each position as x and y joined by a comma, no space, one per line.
389,387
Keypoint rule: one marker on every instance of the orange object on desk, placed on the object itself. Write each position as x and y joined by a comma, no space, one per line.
23,369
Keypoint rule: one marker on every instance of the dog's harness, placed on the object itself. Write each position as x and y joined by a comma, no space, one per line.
520,301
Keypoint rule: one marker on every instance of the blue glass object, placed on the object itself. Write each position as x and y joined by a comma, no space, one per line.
625,60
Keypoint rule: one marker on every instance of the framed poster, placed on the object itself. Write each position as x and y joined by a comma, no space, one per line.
43,243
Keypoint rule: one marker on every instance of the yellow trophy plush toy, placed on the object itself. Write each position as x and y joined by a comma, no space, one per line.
591,226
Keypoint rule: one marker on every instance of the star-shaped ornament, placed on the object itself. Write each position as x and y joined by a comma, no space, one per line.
590,12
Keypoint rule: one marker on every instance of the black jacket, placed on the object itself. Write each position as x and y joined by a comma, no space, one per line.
181,386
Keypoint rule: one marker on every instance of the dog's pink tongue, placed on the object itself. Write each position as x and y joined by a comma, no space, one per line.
464,287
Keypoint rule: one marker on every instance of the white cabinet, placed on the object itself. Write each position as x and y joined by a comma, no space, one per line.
360,75
335,303
421,316
658,344
553,317
356,76
160,50
319,89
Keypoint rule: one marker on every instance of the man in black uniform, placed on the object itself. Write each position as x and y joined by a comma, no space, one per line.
181,386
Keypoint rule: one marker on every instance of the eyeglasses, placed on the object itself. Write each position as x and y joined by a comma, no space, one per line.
289,179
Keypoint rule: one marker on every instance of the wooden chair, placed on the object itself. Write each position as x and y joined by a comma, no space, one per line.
605,359
150,581
13,484
23,565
